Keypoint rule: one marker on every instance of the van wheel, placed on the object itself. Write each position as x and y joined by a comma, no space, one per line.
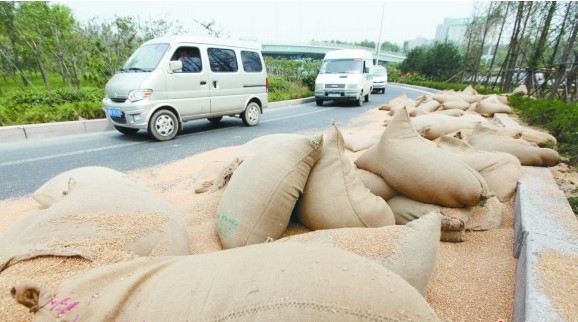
359,102
163,125
367,97
383,91
319,102
252,114
125,130
215,119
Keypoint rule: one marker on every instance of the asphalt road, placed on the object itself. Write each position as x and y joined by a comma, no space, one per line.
26,165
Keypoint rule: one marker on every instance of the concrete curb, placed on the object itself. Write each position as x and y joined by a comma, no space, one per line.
45,130
543,221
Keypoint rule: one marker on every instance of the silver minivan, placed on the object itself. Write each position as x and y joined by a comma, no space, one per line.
171,80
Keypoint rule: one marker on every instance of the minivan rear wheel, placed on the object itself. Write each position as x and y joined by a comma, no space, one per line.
252,114
125,130
163,125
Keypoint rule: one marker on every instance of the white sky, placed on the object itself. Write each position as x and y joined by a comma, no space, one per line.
291,21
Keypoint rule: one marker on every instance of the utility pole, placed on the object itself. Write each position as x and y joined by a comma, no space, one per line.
379,40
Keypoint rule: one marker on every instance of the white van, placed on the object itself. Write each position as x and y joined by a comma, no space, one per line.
171,80
345,75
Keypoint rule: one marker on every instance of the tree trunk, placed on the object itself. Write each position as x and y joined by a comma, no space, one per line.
548,75
510,61
564,60
497,44
539,48
481,53
41,67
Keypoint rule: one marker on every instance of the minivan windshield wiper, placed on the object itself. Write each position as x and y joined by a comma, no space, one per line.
138,69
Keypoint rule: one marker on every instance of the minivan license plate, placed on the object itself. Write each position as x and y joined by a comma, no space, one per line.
334,94
114,112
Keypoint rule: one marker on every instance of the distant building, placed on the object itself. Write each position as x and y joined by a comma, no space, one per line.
452,30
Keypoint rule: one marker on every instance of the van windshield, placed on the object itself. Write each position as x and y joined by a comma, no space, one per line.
145,59
342,66
379,71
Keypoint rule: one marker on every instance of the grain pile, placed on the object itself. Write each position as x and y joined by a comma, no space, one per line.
485,257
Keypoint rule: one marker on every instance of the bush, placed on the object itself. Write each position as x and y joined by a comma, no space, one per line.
557,117
63,104
281,89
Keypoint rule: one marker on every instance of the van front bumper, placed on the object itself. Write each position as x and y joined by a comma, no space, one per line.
337,95
128,114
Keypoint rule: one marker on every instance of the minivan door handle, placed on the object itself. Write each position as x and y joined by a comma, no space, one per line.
215,84
203,83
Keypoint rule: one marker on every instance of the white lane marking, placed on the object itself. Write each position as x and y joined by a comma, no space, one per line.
411,89
66,154
298,115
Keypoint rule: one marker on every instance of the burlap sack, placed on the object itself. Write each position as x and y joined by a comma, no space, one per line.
487,139
520,90
394,109
457,104
335,197
402,100
500,170
420,170
267,282
257,203
97,220
542,139
358,142
58,187
376,184
422,99
453,220
432,126
446,97
243,152
489,108
426,108
408,250
453,112
469,91
486,215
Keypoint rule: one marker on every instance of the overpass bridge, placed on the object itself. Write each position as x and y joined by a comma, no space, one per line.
316,50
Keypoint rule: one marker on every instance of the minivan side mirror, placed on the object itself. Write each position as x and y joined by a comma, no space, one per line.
176,66
365,70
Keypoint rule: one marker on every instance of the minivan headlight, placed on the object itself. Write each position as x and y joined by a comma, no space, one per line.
139,94
319,86
353,86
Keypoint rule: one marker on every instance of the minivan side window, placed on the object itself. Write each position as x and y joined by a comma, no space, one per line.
251,61
191,58
222,60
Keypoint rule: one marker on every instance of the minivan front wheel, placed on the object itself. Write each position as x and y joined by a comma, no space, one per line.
163,125
252,114
359,101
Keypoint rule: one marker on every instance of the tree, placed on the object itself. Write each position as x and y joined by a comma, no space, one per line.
389,46
439,62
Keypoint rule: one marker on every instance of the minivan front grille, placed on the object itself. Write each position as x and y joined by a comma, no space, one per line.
331,86
119,120
118,99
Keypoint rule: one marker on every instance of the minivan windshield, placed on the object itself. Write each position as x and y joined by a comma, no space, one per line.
379,71
145,59
342,66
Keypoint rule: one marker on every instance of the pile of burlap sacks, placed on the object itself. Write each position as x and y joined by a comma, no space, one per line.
436,174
